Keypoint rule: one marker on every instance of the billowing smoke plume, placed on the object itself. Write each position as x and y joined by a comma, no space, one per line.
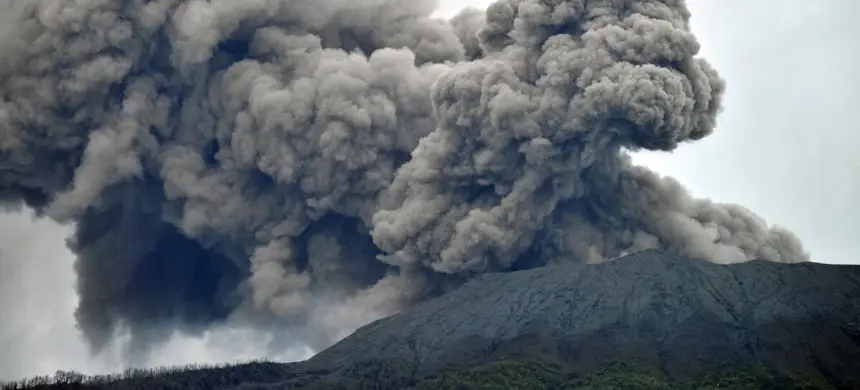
310,165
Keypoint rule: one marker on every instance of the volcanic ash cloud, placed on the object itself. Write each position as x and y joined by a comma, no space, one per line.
309,166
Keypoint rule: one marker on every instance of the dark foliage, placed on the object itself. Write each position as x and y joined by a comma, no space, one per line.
187,377
526,374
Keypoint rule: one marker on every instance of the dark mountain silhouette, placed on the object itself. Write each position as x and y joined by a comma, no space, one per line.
652,320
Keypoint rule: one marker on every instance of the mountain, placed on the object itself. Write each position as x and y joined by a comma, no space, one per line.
651,320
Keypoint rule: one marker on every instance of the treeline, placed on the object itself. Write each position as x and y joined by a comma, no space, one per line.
520,374
195,376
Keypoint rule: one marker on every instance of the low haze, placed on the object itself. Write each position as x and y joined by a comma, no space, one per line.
783,145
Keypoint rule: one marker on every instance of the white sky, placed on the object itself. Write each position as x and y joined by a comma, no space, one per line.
784,147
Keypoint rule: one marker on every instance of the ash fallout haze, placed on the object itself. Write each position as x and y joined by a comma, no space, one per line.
300,168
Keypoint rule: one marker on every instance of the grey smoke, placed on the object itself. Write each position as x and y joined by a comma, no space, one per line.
308,166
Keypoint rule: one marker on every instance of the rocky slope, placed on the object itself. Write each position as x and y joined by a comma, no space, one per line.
685,317
653,320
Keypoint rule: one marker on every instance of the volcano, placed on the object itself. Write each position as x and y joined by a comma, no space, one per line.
678,319
650,320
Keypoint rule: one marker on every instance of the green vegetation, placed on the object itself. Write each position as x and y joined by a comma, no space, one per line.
503,375
369,374
187,377
548,375
761,378
527,373
619,376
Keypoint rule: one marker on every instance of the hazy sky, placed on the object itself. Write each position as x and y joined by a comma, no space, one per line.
783,147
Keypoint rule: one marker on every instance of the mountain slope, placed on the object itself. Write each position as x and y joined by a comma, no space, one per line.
687,318
652,320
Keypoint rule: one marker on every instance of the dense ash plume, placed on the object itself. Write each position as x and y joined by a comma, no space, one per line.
312,165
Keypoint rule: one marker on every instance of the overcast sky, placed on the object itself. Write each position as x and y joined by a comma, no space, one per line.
783,148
